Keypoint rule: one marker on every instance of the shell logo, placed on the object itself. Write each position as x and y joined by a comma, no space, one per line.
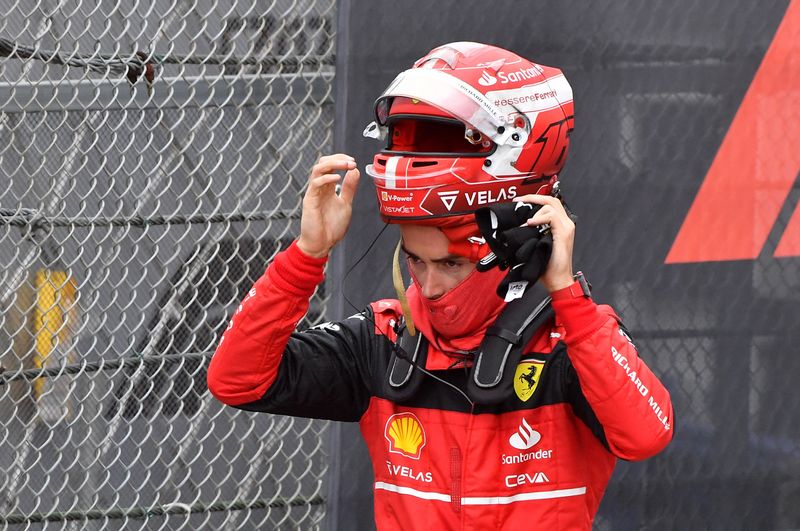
405,435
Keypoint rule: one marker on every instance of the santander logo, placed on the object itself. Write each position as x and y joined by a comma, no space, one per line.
525,437
486,79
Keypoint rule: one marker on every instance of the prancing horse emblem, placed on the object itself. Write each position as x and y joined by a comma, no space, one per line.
527,378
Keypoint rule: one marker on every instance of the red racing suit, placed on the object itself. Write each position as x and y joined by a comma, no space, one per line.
542,458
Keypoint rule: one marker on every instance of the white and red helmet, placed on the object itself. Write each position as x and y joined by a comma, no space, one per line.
469,125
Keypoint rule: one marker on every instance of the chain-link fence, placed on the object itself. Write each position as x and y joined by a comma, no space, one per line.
152,155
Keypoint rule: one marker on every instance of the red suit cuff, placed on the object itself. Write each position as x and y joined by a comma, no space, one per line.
578,313
295,272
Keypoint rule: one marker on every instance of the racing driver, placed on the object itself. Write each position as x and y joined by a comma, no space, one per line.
493,392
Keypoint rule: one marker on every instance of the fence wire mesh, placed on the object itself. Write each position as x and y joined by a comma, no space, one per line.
153,156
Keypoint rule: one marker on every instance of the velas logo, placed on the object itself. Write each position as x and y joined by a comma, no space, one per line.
405,435
486,79
487,197
750,179
448,198
479,197
525,437
526,378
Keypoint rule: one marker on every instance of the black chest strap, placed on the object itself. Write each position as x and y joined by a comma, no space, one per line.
403,378
491,379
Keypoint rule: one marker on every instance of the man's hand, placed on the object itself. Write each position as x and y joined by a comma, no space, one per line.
558,273
326,215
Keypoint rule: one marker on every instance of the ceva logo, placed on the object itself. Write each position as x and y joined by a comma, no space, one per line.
755,168
487,79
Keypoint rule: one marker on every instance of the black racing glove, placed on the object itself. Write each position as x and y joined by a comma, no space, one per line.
522,249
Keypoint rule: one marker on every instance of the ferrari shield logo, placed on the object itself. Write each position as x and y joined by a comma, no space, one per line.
527,377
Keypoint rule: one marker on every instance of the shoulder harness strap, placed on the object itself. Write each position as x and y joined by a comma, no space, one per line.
492,376
491,379
403,378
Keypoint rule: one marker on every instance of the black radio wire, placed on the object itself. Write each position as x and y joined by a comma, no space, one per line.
401,353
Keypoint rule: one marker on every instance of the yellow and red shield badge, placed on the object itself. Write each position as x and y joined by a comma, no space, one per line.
527,377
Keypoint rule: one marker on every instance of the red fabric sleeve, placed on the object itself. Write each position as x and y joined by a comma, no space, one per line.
629,400
247,358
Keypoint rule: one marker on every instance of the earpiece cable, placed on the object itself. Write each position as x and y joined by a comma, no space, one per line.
402,354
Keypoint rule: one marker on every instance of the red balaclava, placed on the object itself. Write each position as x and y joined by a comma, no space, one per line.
457,321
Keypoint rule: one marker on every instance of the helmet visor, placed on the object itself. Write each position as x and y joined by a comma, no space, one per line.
449,94
435,136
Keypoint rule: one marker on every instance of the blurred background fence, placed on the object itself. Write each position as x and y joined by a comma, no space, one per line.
152,158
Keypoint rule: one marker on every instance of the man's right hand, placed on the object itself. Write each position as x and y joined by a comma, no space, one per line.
326,215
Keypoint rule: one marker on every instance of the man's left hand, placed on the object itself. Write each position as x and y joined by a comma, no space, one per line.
558,273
